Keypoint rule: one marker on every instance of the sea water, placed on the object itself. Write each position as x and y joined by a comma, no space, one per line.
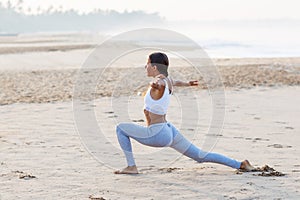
256,38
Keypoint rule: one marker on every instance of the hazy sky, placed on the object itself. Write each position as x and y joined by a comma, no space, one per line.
184,9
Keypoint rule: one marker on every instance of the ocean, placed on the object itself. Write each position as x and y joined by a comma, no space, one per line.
237,39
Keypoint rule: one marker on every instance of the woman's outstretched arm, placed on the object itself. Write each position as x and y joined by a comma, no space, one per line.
182,83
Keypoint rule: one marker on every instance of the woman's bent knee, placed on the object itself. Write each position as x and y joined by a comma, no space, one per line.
121,126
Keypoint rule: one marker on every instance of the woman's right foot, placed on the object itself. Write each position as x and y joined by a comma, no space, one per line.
246,166
128,170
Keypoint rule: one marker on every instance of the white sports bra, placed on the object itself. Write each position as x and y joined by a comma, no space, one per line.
159,106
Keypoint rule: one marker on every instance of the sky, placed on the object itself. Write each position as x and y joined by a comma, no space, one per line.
181,10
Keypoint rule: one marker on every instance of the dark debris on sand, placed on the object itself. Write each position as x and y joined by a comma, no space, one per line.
169,169
264,171
23,175
95,198
268,171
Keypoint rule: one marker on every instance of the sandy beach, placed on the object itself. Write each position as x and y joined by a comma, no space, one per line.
42,155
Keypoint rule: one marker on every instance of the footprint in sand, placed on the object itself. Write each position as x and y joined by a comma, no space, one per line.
138,120
279,146
259,139
296,170
169,169
289,127
279,122
113,116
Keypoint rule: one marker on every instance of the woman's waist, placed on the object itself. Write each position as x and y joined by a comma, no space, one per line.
159,124
155,118
153,122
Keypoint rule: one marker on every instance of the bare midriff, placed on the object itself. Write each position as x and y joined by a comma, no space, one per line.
152,118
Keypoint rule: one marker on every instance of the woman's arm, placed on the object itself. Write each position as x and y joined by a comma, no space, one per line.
181,83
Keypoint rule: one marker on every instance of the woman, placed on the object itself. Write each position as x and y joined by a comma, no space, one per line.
159,132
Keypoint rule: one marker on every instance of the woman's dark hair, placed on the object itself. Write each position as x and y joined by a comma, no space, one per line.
161,61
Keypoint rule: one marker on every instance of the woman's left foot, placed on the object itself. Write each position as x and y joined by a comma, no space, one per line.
128,170
246,166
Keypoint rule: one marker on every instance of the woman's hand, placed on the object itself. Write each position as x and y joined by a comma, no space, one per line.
193,83
157,84
185,84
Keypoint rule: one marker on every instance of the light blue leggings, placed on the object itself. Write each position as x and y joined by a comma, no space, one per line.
166,135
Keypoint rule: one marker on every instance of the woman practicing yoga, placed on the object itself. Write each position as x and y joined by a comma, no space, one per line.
159,132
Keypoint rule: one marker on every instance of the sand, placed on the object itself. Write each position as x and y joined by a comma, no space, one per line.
42,155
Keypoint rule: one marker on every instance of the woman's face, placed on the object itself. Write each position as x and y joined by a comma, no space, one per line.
151,70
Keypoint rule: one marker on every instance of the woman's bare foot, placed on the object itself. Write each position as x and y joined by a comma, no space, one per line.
246,166
128,170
